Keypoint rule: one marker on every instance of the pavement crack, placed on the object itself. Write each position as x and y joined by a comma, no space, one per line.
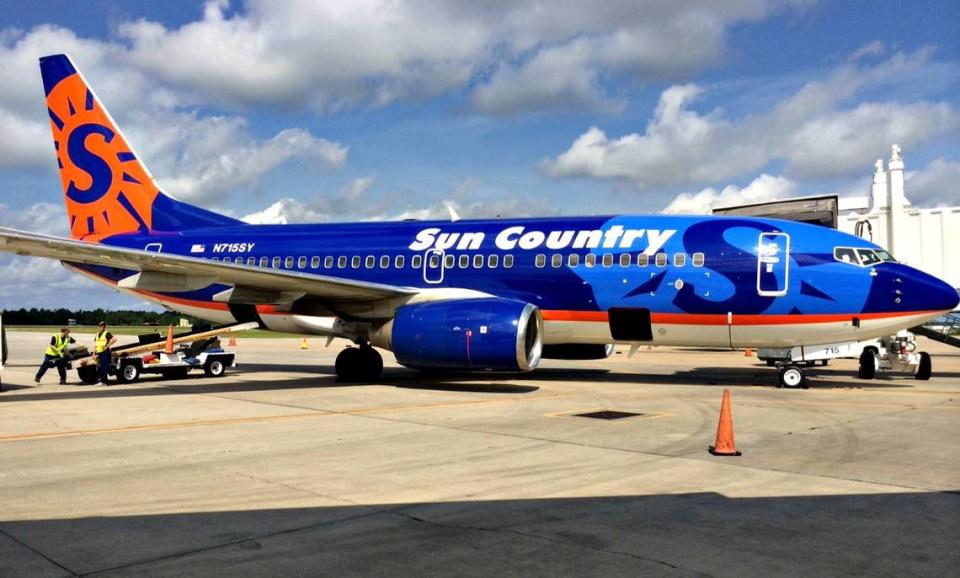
227,544
542,537
38,553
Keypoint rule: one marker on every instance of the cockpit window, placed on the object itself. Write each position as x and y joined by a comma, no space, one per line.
846,255
884,256
868,257
861,257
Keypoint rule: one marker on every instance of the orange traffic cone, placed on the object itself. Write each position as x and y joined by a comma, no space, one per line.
748,352
724,446
233,341
303,344
169,348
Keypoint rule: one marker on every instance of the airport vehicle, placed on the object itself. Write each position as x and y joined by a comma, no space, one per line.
173,358
467,294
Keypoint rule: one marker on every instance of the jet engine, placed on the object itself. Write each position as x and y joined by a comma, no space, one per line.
465,334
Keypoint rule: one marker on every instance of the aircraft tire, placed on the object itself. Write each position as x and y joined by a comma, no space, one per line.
925,367
868,364
359,364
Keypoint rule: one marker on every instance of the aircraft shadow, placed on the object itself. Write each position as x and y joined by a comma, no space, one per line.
905,534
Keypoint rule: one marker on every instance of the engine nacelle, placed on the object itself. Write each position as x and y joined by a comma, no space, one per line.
577,351
485,333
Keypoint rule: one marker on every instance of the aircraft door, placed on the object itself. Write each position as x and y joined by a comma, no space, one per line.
433,266
773,264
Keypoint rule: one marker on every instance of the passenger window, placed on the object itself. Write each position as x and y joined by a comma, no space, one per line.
288,263
355,261
679,259
507,261
846,255
448,261
302,263
643,260
276,262
556,260
477,261
416,261
698,259
573,259
384,261
214,258
398,261
370,261
608,260
493,261
328,262
541,260
661,259
264,261
315,262
590,260
464,261
251,261
226,259
434,261
625,259
341,262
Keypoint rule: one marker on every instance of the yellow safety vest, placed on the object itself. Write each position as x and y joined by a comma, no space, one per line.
100,342
59,345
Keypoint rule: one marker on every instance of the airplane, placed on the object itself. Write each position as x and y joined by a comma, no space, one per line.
467,295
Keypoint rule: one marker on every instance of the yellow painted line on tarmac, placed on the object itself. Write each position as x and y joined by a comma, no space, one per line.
240,420
162,426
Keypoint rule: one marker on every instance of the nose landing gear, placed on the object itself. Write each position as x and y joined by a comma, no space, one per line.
359,364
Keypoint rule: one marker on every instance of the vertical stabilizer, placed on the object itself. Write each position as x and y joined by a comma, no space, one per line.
107,189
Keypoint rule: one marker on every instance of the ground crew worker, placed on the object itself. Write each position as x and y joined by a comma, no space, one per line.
101,346
56,355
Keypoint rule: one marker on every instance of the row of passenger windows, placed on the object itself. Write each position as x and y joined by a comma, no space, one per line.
464,261
625,260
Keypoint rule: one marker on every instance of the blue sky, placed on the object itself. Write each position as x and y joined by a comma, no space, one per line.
318,111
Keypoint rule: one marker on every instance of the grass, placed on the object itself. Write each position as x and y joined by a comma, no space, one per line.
137,330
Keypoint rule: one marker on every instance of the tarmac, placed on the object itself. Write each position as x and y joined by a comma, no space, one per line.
277,469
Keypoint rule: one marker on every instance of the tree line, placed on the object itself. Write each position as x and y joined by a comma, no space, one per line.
61,316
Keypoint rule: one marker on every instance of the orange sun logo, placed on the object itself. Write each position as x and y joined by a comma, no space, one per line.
107,191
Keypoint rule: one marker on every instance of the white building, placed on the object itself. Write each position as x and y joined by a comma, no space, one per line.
928,239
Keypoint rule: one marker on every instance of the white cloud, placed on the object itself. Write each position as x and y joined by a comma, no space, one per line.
37,218
207,177
761,189
332,54
193,156
938,183
811,131
353,203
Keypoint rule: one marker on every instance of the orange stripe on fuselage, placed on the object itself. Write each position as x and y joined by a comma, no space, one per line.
721,318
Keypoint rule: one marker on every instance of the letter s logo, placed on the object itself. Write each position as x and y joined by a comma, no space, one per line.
101,176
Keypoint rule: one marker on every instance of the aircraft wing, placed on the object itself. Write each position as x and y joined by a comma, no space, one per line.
164,269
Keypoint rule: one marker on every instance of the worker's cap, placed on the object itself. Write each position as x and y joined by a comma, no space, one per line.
102,324
64,329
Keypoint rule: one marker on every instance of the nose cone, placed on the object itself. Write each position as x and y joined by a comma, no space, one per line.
949,297
898,287
937,295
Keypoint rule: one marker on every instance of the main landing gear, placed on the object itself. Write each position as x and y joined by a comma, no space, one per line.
359,364
792,376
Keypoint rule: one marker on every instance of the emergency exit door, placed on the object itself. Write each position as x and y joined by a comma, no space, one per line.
773,264
433,266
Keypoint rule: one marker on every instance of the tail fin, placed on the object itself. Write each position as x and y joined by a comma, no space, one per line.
107,189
